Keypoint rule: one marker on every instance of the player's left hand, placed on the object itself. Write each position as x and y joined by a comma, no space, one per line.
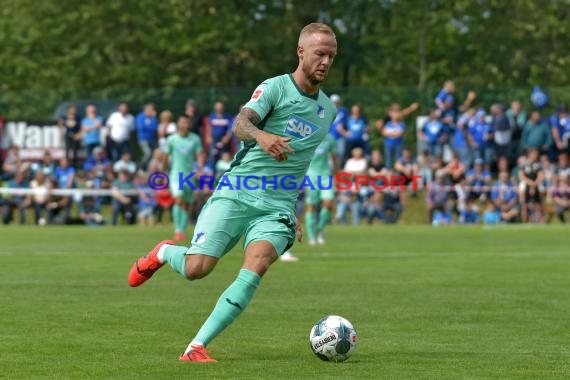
299,232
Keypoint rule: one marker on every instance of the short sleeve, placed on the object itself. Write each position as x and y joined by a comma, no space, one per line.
264,98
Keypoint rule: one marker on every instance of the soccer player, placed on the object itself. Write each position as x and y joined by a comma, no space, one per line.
320,175
185,149
280,127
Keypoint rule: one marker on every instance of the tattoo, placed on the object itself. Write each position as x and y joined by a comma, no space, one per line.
245,125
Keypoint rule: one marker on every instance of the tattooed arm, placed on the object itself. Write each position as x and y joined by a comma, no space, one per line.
245,125
245,128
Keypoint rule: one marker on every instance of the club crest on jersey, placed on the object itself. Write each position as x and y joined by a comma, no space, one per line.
257,94
299,128
321,112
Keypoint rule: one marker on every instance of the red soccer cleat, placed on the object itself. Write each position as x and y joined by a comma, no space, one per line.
179,236
197,354
144,268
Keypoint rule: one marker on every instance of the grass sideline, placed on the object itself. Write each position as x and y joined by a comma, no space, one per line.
428,303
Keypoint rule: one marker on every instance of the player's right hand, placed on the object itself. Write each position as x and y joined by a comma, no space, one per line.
276,146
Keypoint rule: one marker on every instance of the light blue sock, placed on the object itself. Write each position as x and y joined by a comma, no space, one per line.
175,255
231,303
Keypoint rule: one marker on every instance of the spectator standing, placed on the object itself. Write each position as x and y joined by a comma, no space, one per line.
337,128
166,127
147,129
197,122
517,118
560,128
219,129
356,165
481,138
121,125
460,143
70,127
393,133
536,134
433,134
91,128
502,130
355,131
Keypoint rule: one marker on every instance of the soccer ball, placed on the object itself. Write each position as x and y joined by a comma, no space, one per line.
333,338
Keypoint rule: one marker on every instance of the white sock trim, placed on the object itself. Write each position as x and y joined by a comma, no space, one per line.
160,253
193,343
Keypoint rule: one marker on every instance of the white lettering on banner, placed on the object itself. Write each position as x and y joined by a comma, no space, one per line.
22,135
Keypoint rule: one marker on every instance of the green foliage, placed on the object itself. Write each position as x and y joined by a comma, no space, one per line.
54,50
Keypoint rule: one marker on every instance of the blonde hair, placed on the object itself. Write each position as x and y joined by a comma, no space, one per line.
315,27
165,114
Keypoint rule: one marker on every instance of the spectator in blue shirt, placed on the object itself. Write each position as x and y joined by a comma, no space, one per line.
146,124
505,198
478,178
219,130
560,127
469,214
445,98
481,138
339,125
97,163
355,131
441,217
64,174
460,141
393,133
90,128
433,134
491,216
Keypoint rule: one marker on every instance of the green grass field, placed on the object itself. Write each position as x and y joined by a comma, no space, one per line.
428,303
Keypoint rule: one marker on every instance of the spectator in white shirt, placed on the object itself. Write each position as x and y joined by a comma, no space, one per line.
121,124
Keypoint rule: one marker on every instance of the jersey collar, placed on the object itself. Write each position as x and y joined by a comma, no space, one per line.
314,97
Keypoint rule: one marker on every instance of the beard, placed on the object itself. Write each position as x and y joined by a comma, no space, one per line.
312,76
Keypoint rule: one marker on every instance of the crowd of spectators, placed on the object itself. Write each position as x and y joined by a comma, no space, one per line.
503,165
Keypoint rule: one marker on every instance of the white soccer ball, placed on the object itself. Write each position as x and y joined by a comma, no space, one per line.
333,338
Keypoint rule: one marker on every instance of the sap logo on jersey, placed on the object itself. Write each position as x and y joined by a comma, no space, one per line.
299,128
